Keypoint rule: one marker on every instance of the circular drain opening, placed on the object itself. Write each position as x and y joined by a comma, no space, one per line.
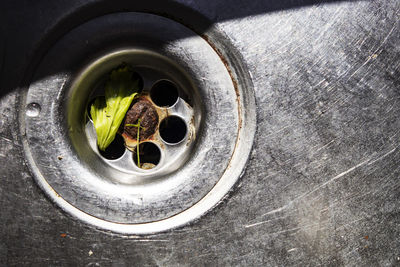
216,125
173,129
91,102
164,94
115,150
92,83
136,76
149,156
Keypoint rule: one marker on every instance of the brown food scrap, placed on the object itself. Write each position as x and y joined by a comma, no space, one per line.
143,110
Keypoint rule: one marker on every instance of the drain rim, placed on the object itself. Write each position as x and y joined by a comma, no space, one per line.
231,174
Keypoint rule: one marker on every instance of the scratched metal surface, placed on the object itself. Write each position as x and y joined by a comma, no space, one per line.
322,186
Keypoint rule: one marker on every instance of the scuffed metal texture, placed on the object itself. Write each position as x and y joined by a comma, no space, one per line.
322,184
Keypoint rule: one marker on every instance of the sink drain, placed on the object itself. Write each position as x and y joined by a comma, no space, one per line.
169,107
199,124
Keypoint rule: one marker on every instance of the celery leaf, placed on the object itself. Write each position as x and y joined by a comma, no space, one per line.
108,114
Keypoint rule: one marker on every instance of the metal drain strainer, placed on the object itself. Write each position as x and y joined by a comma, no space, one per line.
194,171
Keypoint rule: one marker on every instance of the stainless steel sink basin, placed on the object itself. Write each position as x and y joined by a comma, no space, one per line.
290,154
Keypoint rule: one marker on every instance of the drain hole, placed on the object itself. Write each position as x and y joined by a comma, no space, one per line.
103,99
149,155
173,129
116,149
136,76
164,93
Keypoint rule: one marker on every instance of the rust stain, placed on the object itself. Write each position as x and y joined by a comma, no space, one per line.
191,132
234,82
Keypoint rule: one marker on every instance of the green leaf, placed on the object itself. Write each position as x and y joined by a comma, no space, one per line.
108,114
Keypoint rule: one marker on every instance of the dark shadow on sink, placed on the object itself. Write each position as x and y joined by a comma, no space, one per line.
29,29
